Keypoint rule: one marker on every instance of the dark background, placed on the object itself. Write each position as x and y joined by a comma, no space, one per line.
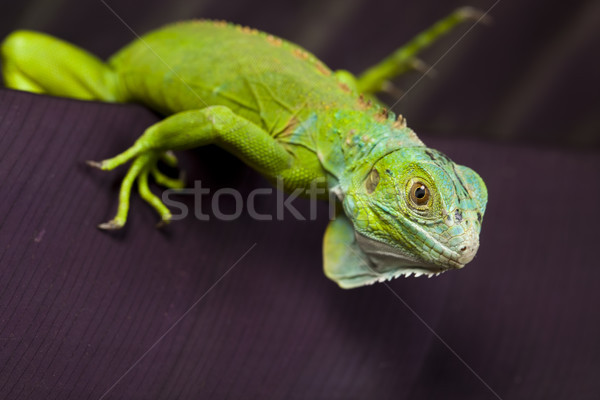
84,313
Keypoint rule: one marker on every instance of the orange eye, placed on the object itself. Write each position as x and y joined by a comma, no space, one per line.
419,194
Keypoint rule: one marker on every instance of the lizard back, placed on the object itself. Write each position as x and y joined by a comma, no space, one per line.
263,78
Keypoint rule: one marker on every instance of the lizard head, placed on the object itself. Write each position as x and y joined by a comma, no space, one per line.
413,211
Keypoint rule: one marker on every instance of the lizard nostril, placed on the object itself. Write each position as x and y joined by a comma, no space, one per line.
463,248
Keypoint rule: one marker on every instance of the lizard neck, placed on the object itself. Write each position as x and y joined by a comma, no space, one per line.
354,140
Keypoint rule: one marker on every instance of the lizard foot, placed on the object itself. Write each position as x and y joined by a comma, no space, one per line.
144,164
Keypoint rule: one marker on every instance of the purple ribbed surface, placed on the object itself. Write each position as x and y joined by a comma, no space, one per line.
79,307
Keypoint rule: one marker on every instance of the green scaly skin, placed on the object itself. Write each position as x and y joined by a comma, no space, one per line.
407,208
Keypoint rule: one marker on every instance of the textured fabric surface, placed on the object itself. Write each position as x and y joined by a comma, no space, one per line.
242,310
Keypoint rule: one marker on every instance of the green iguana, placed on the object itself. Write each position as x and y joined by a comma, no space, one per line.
407,208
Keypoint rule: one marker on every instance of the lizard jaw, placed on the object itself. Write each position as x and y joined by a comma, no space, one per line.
386,262
370,277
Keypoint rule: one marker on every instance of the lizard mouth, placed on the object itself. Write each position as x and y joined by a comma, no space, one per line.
385,262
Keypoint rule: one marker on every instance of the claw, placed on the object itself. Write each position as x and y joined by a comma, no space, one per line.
470,13
111,225
163,222
166,181
143,165
94,164
390,88
421,66
169,158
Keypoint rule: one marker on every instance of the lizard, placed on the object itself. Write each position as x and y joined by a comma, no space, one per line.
407,209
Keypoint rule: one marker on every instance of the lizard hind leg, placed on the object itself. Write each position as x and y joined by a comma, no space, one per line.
39,63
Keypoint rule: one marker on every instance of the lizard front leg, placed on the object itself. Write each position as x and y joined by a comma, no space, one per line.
189,129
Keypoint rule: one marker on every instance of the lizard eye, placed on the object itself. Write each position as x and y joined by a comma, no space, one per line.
372,181
419,194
